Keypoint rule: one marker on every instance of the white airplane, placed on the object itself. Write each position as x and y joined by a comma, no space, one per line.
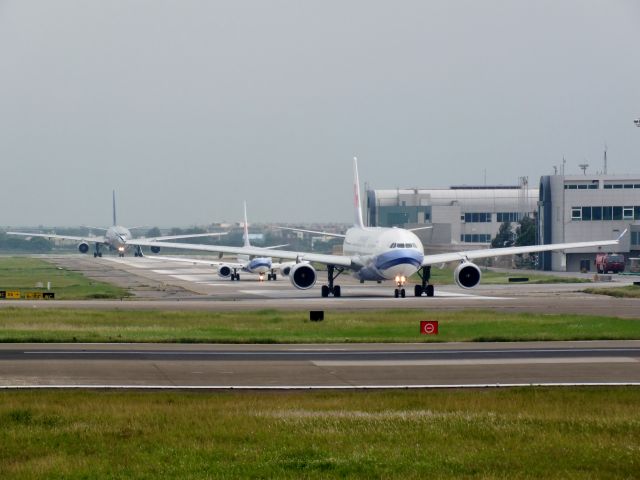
245,263
115,238
378,254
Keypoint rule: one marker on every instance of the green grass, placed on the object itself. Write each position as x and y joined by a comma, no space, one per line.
272,326
511,433
22,274
489,277
629,291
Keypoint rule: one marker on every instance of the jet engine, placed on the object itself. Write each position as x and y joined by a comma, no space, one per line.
302,276
285,268
467,275
224,271
155,249
83,247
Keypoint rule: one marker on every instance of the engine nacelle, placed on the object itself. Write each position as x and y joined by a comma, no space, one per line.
467,275
302,275
224,271
285,268
83,247
155,249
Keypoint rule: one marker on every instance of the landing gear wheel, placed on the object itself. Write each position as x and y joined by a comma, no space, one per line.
402,293
100,254
429,290
324,291
336,291
417,290
396,293
95,255
273,277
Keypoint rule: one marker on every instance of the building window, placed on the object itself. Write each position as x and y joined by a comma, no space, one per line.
593,186
627,213
617,185
476,238
586,213
477,217
637,185
628,185
635,238
596,213
607,213
576,213
608,186
636,213
617,213
507,217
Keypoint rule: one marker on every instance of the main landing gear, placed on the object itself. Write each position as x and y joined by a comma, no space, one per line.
97,253
426,287
332,289
235,275
271,276
138,251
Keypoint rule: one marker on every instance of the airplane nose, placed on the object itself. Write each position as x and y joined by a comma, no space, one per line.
401,262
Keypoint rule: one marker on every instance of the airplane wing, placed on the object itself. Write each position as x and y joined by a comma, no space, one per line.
99,239
337,260
326,234
495,252
193,235
196,261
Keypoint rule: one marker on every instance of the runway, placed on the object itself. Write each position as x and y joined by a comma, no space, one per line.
311,366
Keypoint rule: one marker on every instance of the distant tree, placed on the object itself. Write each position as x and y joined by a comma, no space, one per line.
153,232
504,237
526,232
176,231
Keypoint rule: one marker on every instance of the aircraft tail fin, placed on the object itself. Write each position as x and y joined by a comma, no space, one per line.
356,196
245,235
114,208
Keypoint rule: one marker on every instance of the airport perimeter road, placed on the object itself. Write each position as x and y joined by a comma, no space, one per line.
313,366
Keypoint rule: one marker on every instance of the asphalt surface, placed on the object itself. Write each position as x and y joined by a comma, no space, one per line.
175,286
312,366
167,285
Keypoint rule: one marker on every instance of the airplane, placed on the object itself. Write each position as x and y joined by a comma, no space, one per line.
245,263
381,253
116,238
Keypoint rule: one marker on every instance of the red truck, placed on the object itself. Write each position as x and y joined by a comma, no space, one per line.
609,262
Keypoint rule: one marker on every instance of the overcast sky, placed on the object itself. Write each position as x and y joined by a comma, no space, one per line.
186,108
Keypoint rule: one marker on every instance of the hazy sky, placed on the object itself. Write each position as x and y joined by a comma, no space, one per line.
188,107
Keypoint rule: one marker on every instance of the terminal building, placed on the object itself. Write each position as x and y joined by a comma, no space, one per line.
467,216
587,207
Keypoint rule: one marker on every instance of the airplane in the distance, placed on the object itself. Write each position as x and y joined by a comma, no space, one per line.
115,238
244,263
381,253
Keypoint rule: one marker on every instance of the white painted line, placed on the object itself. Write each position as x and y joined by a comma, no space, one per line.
491,361
322,387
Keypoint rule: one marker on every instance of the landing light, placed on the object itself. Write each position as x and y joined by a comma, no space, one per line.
121,249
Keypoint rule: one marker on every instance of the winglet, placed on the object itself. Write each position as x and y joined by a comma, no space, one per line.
245,235
114,208
622,235
356,195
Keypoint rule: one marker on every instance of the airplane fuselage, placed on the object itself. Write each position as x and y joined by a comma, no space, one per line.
117,237
383,253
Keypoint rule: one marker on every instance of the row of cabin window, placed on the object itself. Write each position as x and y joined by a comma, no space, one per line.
605,213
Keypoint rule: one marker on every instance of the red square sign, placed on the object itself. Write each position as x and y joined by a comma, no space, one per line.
429,327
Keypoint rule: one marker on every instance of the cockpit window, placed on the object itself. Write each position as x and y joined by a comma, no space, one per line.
393,245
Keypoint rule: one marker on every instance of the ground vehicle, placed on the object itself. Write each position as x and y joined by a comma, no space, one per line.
609,262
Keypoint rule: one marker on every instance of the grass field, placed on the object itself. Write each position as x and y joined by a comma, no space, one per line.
23,273
629,291
512,433
272,326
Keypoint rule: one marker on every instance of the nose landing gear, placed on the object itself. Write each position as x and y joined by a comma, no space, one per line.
400,282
